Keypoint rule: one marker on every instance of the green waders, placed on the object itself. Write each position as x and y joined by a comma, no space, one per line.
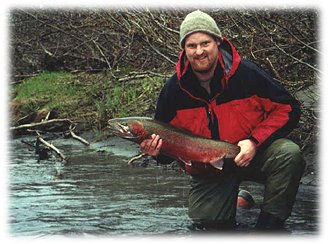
212,200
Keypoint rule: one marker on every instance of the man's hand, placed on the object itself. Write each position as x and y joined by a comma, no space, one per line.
151,146
246,154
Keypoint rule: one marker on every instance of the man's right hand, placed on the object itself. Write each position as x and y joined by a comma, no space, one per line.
151,146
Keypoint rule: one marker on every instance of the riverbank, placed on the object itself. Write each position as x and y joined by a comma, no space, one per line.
89,100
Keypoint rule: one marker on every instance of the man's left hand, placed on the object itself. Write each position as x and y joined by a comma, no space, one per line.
246,154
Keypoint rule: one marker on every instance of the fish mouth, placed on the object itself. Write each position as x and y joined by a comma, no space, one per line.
120,130
120,127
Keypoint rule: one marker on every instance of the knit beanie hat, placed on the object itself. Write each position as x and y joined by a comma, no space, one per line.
198,21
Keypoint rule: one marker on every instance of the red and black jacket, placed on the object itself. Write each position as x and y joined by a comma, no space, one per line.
246,102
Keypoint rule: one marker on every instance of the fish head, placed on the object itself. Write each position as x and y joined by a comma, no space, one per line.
131,129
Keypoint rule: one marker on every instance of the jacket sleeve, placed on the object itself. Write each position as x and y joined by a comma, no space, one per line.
282,111
165,107
165,111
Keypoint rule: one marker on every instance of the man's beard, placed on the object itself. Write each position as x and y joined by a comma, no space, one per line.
203,70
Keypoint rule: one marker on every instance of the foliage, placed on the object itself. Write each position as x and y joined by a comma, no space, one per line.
50,90
87,98
283,41
124,43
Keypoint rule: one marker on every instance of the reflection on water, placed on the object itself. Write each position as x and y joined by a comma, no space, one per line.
97,193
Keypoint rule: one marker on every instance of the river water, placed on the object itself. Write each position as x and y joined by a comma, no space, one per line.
98,194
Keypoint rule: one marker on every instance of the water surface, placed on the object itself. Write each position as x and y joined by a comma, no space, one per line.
98,193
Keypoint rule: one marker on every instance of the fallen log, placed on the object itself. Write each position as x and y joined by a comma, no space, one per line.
47,125
51,147
78,137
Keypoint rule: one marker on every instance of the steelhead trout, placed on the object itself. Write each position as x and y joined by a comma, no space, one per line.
177,144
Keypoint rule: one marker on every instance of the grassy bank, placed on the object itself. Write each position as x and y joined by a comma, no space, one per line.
90,100
87,99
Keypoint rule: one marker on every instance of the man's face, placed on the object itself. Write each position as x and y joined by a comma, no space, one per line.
201,51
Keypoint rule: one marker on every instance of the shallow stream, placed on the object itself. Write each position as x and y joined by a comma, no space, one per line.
98,193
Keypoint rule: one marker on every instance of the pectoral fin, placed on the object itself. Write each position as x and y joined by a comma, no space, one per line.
218,164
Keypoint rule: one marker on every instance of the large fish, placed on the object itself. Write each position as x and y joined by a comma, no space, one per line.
178,144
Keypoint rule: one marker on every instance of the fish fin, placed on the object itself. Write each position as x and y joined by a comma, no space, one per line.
187,162
218,164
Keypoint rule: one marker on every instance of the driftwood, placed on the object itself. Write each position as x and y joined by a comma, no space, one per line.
42,152
47,116
79,138
50,125
47,125
29,144
136,157
51,147
85,142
